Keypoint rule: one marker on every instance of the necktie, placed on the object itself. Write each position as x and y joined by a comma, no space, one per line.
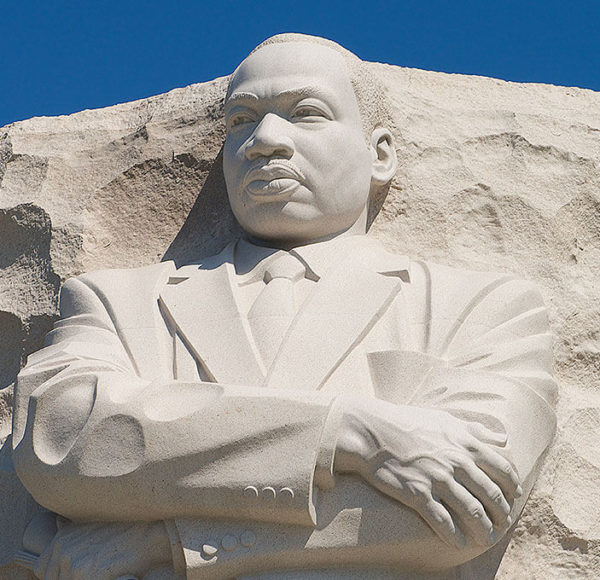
275,307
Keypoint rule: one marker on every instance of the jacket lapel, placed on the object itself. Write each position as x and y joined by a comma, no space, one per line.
345,305
202,307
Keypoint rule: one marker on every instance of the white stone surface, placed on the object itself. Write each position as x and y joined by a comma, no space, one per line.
492,176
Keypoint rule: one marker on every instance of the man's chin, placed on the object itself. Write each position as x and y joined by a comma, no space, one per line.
287,222
295,224
284,238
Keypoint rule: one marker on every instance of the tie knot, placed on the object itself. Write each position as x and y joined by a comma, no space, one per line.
285,266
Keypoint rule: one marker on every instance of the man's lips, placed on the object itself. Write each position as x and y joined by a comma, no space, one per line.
273,179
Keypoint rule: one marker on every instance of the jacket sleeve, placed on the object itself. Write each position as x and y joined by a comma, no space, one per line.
490,361
94,441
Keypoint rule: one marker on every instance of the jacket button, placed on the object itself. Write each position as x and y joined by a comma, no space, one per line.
248,539
287,492
250,491
209,550
269,492
229,543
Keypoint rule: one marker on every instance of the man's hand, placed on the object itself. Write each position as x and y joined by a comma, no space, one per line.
440,466
104,551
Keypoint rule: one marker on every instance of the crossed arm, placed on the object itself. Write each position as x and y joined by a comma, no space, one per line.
193,447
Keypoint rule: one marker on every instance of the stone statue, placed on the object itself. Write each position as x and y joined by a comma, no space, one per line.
304,404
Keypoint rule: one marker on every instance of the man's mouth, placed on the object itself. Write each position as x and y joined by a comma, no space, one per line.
274,179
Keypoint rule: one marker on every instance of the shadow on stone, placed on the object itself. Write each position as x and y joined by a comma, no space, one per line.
210,225
11,347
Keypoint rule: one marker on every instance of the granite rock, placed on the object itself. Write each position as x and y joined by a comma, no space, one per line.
492,176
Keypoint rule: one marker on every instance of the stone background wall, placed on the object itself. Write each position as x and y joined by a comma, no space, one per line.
492,176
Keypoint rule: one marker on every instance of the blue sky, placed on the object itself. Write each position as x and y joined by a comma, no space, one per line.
57,57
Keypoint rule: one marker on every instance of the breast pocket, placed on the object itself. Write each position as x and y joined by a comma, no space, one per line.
397,374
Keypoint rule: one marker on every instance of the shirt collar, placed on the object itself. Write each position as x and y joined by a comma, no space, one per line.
251,260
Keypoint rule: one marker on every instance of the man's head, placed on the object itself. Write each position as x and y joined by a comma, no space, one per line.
297,165
368,90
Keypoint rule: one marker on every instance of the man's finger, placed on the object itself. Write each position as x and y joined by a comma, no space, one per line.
486,491
486,435
440,521
419,498
500,471
467,509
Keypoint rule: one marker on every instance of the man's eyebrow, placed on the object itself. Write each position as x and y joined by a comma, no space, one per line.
307,91
241,97
237,98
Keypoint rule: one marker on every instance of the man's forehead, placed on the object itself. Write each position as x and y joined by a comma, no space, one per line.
292,66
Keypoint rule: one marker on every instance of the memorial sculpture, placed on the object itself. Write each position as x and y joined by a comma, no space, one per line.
305,404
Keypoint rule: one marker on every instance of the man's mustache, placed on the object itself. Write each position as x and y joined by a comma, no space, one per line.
274,169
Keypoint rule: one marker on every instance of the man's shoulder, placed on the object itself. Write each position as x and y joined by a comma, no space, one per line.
454,286
455,281
436,275
427,275
140,281
118,277
118,290
452,298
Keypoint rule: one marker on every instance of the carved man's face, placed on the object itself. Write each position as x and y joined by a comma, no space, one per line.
296,163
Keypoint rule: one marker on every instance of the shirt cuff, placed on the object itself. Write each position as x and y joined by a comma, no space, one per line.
326,451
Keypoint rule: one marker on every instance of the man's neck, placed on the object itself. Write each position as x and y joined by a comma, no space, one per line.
356,229
316,255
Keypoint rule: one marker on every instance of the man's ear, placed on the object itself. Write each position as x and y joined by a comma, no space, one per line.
385,160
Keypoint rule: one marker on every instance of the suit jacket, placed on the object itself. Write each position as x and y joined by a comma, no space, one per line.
149,402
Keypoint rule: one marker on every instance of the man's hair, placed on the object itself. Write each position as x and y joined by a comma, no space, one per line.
370,93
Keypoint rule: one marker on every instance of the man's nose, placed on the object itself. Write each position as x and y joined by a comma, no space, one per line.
270,139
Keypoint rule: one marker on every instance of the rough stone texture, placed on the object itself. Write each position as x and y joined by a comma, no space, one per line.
493,175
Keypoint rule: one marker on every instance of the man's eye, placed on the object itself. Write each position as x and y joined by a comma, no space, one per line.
237,120
308,112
